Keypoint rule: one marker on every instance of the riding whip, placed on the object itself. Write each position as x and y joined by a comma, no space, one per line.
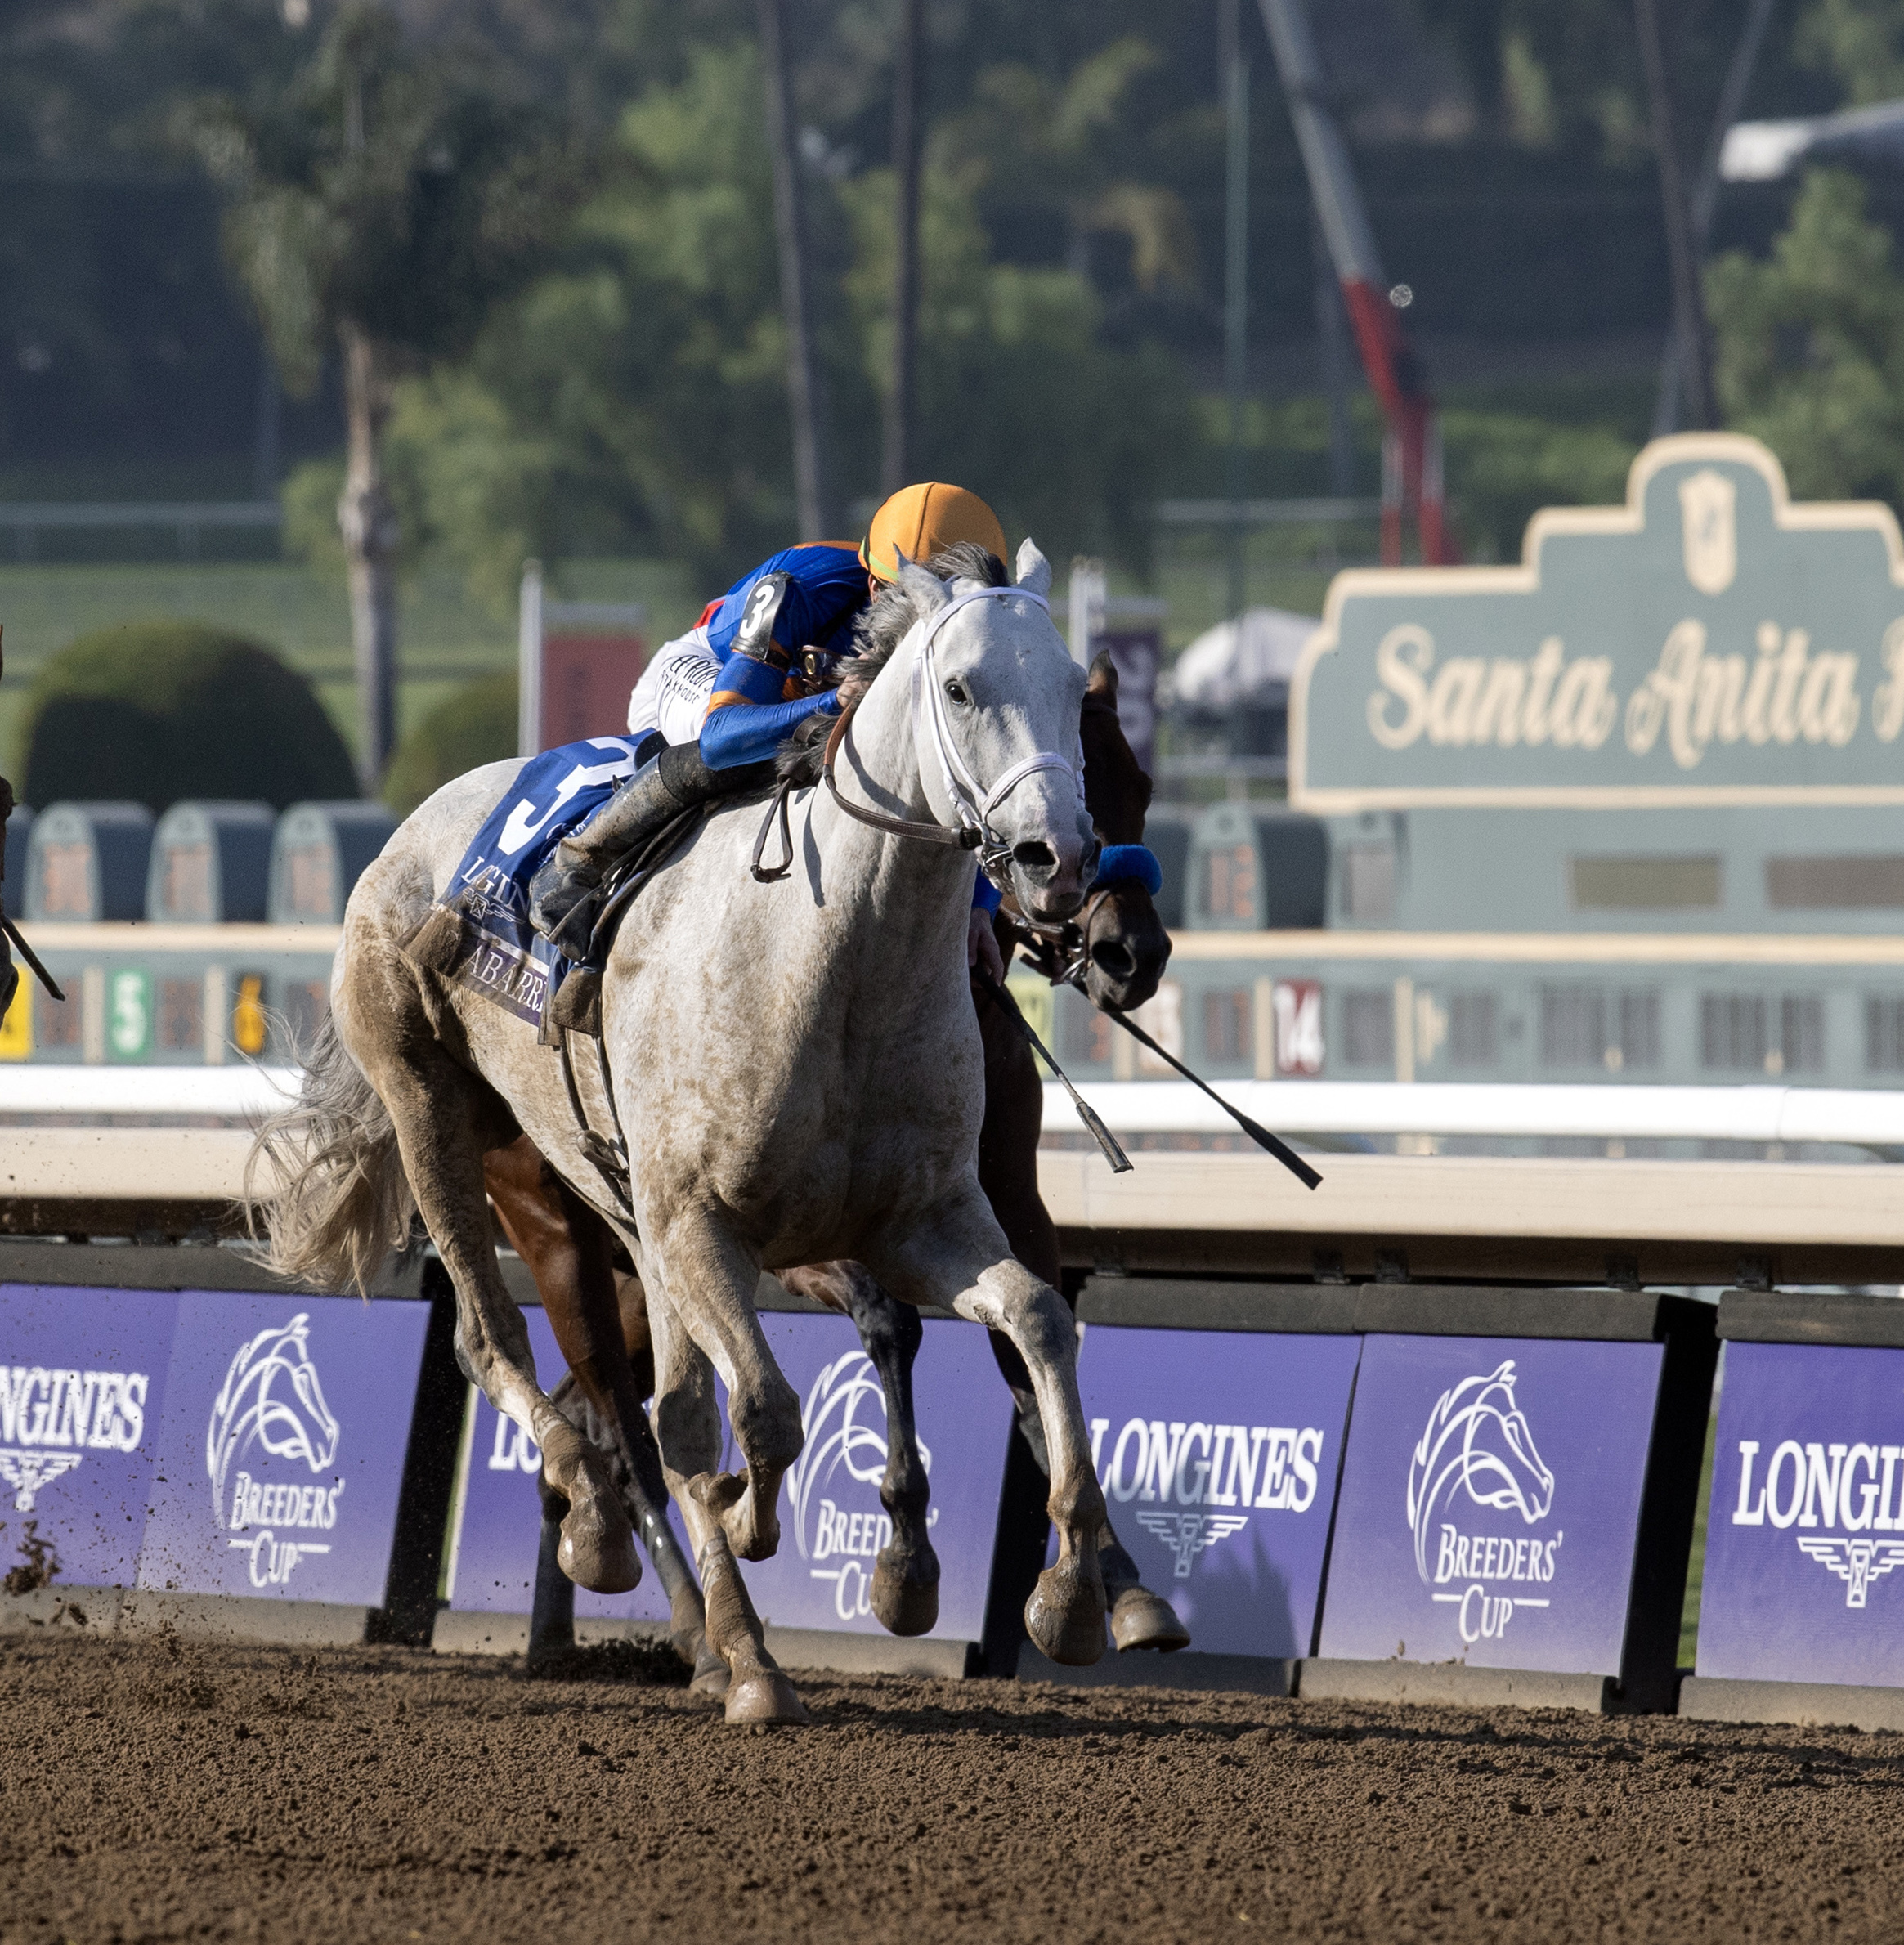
1119,1161
1256,1132
31,957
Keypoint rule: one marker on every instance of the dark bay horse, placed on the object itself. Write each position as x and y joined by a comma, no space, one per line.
598,1311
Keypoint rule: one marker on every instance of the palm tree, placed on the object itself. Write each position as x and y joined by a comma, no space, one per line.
380,203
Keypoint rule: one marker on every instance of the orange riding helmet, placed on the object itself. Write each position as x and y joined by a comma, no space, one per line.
918,521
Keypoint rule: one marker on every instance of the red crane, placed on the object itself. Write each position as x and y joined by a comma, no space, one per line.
1411,451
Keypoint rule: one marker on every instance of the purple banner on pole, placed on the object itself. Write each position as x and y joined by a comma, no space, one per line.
493,1569
832,1524
81,1388
1218,1452
281,1447
1805,1533
1489,1502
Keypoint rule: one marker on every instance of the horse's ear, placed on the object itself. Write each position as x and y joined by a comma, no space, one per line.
927,592
1102,682
1034,570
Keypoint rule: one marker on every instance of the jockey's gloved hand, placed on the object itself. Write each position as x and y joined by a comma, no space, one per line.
982,945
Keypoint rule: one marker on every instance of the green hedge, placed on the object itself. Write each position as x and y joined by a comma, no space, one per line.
475,726
157,711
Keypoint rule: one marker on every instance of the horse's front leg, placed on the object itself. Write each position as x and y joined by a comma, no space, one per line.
710,1282
687,1429
905,1581
1008,1173
957,1257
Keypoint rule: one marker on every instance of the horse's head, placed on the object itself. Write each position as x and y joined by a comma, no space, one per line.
1003,707
1126,948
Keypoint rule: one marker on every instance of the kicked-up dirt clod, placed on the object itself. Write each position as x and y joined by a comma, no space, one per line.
160,1790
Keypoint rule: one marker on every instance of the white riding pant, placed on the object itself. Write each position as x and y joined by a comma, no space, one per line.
672,694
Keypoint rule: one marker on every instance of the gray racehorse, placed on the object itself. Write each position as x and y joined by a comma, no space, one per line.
813,1091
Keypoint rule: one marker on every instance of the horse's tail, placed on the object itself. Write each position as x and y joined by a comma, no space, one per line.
336,1200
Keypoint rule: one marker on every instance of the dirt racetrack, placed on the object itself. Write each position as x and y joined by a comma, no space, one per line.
161,1790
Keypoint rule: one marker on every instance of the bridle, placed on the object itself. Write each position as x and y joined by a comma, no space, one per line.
1059,951
973,804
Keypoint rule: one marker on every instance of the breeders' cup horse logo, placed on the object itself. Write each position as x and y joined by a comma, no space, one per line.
839,1436
270,1397
1708,525
1478,1441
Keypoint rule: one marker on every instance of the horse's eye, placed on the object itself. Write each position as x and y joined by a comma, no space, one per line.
957,690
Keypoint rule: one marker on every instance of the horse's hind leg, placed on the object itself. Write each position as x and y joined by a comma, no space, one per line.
957,1258
441,1113
569,1250
687,1427
905,1581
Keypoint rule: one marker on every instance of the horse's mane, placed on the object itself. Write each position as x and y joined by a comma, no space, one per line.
879,631
877,635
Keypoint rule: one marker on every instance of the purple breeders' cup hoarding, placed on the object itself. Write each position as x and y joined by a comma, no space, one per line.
82,1389
1805,1534
1217,1452
281,1447
1490,1502
493,1564
832,1525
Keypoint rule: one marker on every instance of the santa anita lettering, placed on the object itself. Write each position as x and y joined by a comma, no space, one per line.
1708,642
1785,692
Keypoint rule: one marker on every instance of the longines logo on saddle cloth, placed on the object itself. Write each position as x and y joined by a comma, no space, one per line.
501,954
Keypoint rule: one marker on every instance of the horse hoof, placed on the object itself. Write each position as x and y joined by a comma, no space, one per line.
766,1697
598,1553
907,1602
1065,1617
1142,1620
712,1676
752,1530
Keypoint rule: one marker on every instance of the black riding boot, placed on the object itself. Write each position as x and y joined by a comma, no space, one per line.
565,896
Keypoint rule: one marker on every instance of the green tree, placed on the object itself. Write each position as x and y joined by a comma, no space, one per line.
1811,346
475,725
381,201
1859,42
160,711
1020,397
636,397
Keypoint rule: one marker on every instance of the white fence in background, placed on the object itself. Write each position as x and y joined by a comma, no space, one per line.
1870,1118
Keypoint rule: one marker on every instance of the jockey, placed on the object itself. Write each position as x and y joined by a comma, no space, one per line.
715,704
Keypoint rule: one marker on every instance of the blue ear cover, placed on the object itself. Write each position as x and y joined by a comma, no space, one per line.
1131,861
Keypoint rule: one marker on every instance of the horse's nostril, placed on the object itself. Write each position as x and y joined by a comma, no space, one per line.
1035,855
1114,959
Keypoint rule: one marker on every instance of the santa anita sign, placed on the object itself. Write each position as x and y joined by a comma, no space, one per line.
1709,642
